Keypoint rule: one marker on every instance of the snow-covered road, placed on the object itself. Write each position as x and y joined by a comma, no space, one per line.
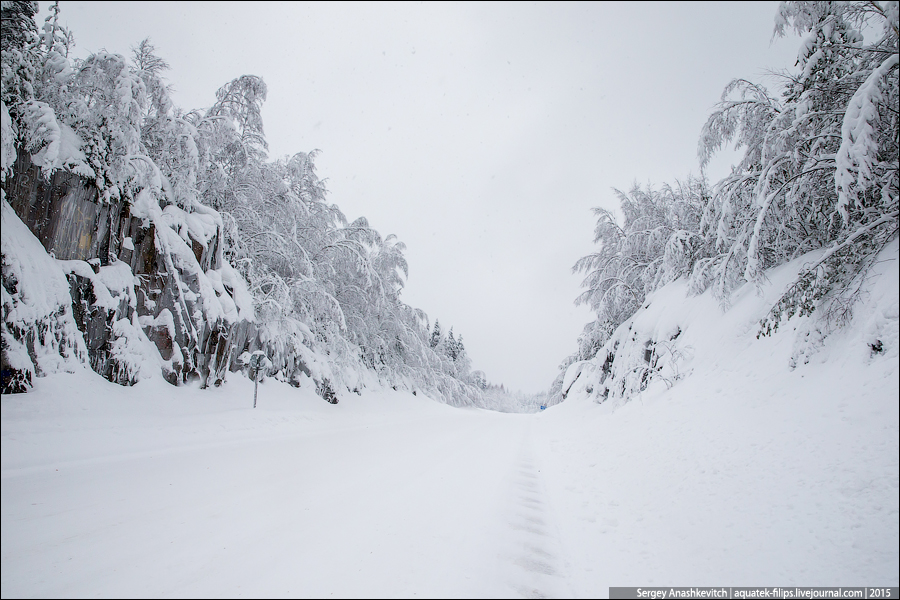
423,500
180,492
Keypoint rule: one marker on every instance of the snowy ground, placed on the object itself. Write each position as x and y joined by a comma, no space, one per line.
153,491
744,473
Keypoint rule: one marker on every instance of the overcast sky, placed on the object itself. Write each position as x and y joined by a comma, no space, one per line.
480,133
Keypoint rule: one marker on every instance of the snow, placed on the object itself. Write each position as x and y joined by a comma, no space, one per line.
112,282
7,141
134,355
54,144
71,156
45,135
744,471
198,226
222,292
146,207
37,301
859,144
41,284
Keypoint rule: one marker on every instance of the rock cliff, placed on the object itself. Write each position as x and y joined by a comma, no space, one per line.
147,286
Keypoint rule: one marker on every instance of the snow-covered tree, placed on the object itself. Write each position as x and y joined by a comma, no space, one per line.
239,103
450,348
820,164
325,292
819,172
658,242
18,61
436,335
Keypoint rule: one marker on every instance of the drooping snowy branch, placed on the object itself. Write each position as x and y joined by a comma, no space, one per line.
858,157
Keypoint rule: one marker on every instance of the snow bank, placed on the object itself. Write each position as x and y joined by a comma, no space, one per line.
673,332
38,329
738,460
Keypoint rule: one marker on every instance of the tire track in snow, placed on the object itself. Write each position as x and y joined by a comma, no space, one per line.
535,552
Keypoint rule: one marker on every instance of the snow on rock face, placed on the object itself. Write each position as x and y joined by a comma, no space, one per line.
210,305
146,288
39,334
648,347
104,304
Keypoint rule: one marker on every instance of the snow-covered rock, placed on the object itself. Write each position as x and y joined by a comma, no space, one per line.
140,289
39,333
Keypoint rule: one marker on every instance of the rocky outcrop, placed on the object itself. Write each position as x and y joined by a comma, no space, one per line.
148,289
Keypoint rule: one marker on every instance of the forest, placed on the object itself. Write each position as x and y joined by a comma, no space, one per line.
185,247
818,172
177,245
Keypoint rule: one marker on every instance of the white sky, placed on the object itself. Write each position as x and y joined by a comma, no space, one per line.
481,134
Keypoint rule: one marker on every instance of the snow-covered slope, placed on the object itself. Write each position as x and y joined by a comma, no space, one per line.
743,460
675,336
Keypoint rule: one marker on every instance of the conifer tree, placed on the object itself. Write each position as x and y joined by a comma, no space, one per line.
436,335
451,345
